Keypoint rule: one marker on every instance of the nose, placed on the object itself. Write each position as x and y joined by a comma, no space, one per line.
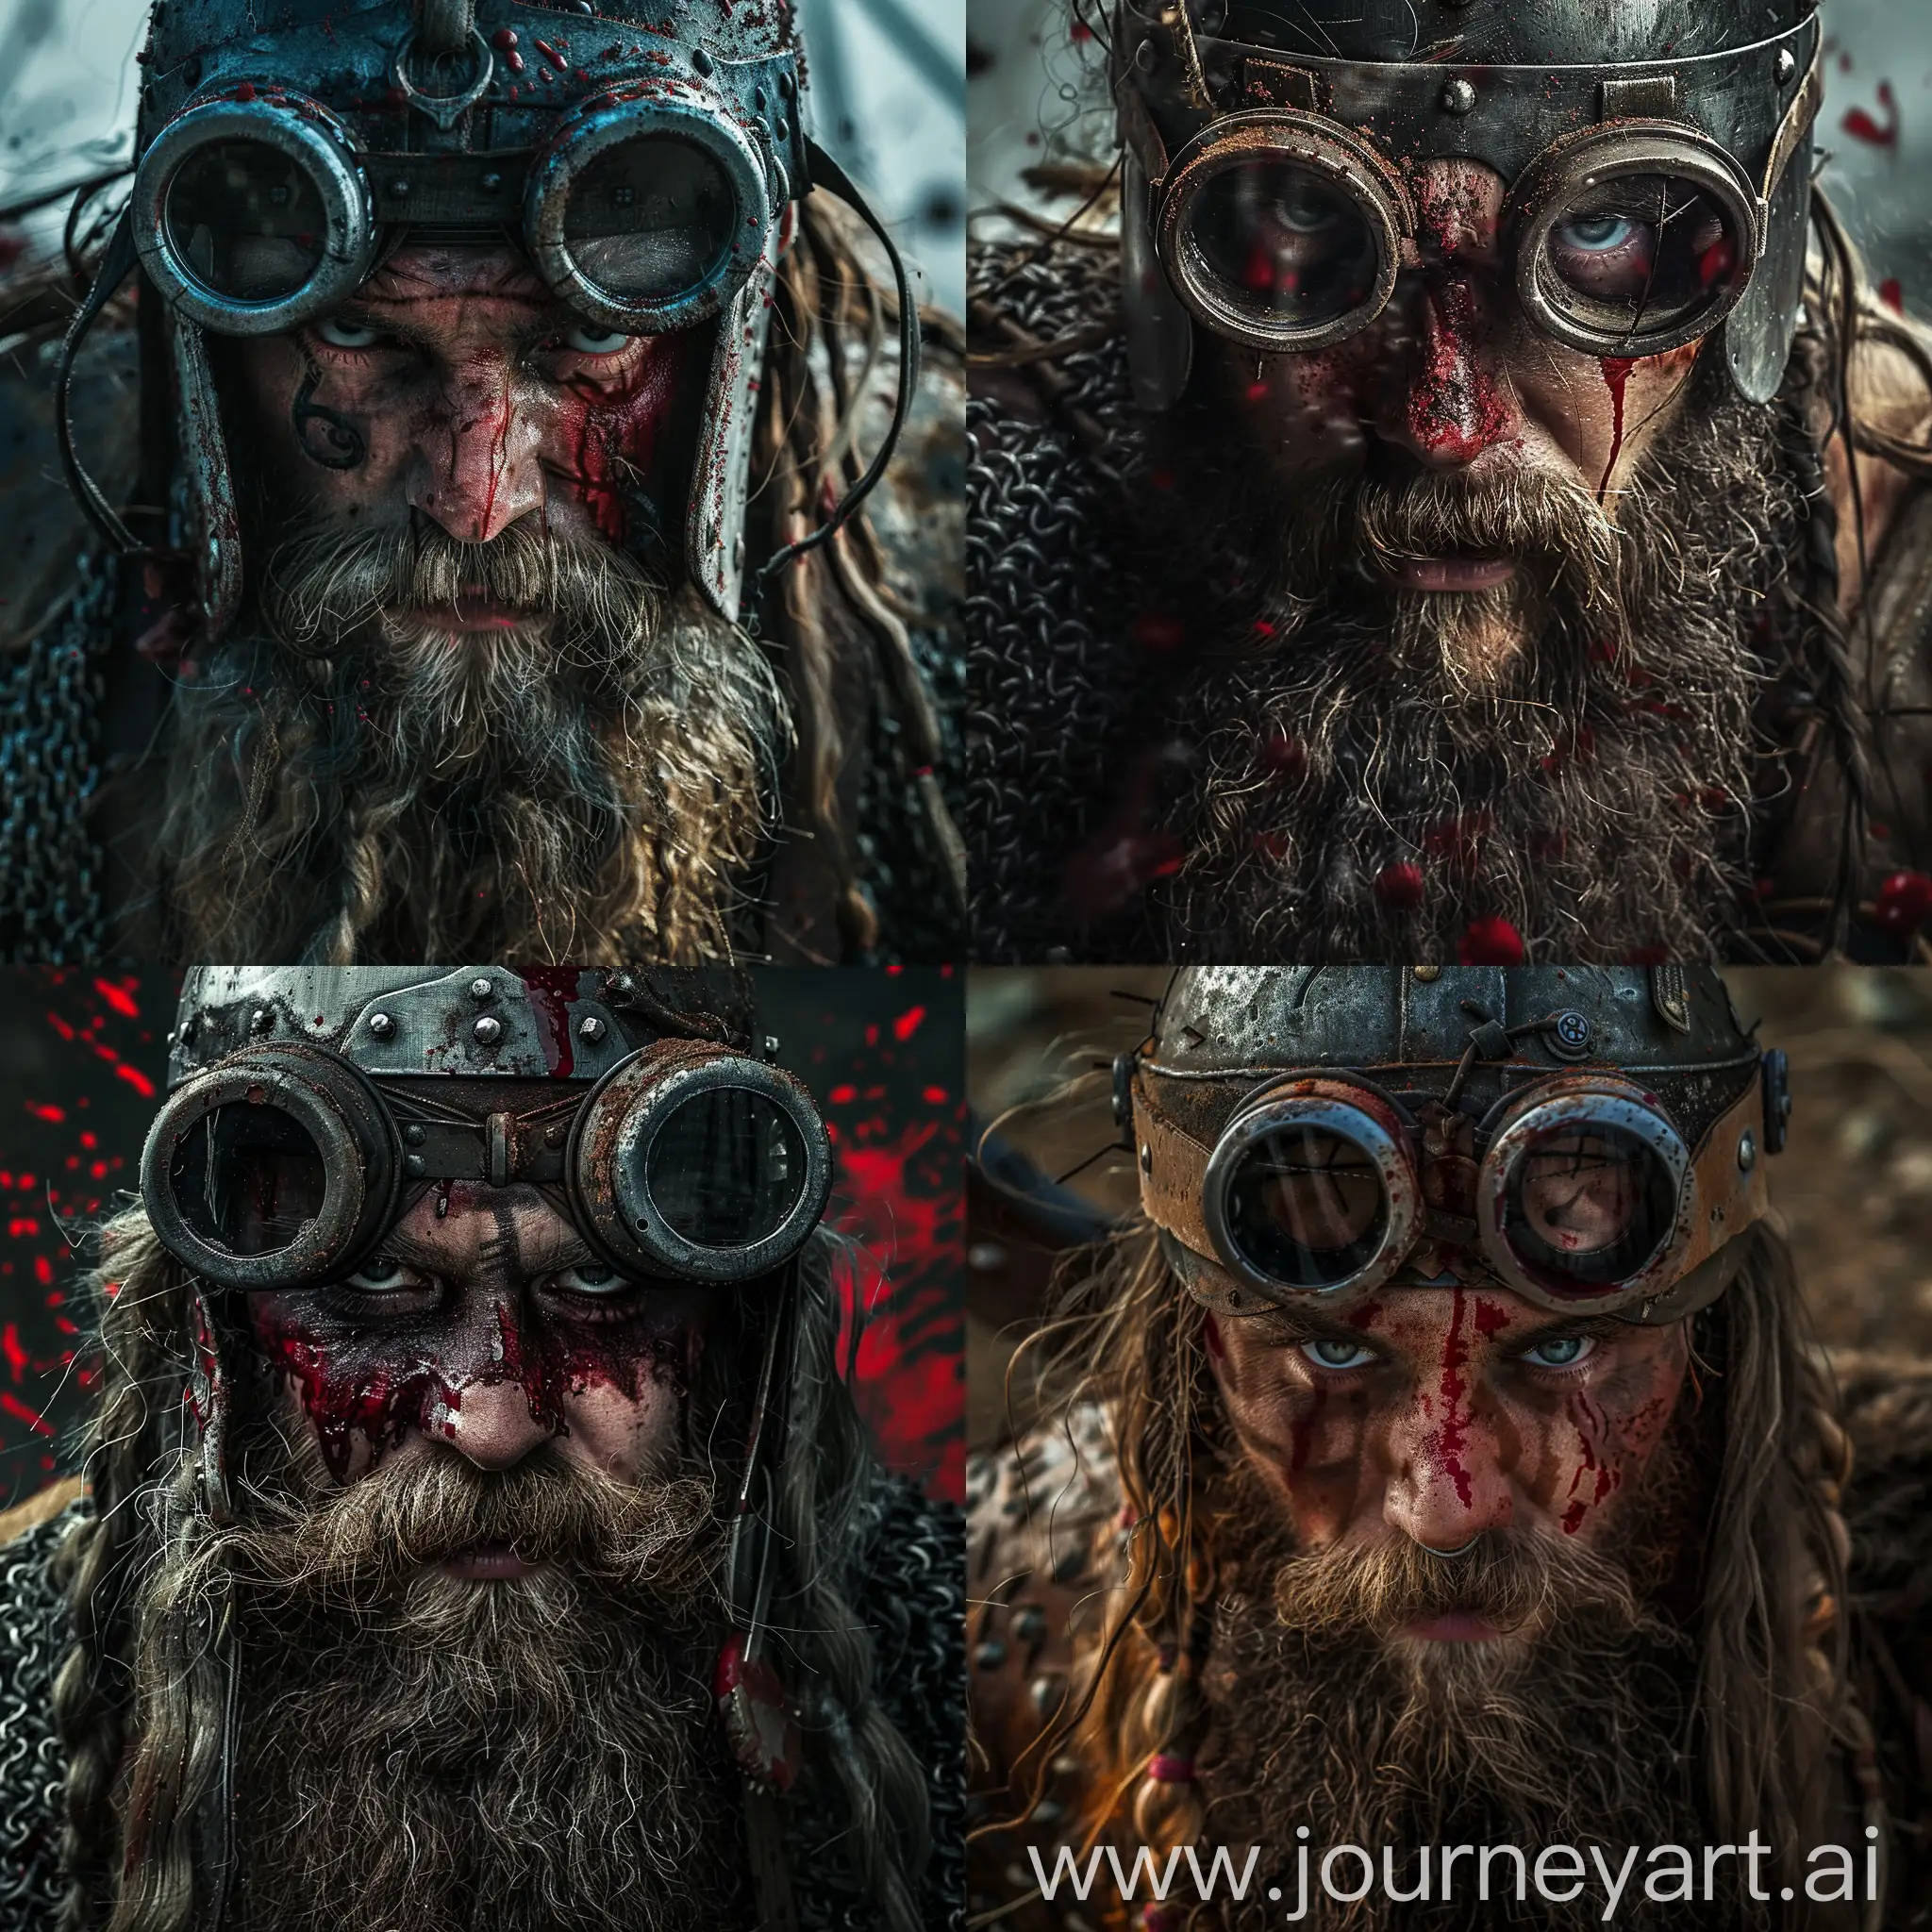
476,468
1458,400
492,1424
1449,1484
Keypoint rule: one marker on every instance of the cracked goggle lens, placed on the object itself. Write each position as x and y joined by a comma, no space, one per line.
1278,241
246,221
1305,1206
1586,1207
247,1179
650,219
726,1167
1641,254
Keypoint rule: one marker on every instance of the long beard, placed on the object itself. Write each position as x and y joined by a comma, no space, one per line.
1369,776
1572,1729
427,1752
586,786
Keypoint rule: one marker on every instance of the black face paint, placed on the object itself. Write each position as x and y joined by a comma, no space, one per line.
341,445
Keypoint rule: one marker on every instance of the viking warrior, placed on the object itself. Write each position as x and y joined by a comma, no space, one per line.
472,407
1440,1461
477,1526
1454,517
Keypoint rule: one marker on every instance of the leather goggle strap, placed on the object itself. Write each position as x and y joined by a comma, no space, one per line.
1173,1172
1803,112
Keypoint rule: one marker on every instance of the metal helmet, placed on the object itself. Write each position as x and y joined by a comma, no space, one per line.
1266,146
1591,1139
307,1105
644,154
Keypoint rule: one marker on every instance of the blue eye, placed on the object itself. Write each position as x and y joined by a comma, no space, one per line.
1337,1355
594,338
1560,1351
1597,234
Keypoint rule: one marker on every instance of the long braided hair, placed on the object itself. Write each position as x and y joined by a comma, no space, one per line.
1773,1693
137,1699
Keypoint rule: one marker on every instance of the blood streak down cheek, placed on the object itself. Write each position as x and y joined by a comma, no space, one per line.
613,433
355,1387
553,1362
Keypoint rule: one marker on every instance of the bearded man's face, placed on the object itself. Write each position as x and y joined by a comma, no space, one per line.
1454,383
475,1562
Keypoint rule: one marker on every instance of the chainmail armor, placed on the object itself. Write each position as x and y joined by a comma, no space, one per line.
50,699
911,1588
33,1771
1054,678
911,1584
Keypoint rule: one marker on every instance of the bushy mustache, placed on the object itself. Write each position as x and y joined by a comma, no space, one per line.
327,586
368,1543
1516,1582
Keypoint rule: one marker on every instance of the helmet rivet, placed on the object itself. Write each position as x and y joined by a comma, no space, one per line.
1787,65
492,183
415,1133
1459,97
1570,1032
622,983
782,128
1146,1157
758,99
261,1021
785,86
399,187
701,59
592,1028
1747,1151
1427,975
480,989
487,1030
381,1025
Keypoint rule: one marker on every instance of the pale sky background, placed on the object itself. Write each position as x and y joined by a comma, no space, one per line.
1019,112
67,97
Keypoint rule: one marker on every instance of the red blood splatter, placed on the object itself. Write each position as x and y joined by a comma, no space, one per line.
558,56
552,989
1080,32
1400,885
1616,379
1861,127
1891,293
1904,901
1452,1435
1491,1318
1491,943
1284,756
137,1079
246,91
45,1111
1717,261
21,1412
15,1354
1455,408
121,997
504,39
908,1023
617,430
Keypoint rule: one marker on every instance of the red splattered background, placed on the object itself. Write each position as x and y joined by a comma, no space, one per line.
83,1061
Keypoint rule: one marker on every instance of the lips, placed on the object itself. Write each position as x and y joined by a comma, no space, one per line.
488,1563
472,612
1451,573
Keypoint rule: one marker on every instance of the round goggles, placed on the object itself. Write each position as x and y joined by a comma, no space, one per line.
1585,1195
644,214
285,1166
1285,230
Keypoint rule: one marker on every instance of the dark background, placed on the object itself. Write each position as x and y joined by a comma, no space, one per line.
83,1063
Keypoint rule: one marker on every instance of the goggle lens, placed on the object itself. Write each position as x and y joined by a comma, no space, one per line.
247,1179
1280,241
1585,1207
1305,1206
1641,253
247,220
726,1170
649,220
